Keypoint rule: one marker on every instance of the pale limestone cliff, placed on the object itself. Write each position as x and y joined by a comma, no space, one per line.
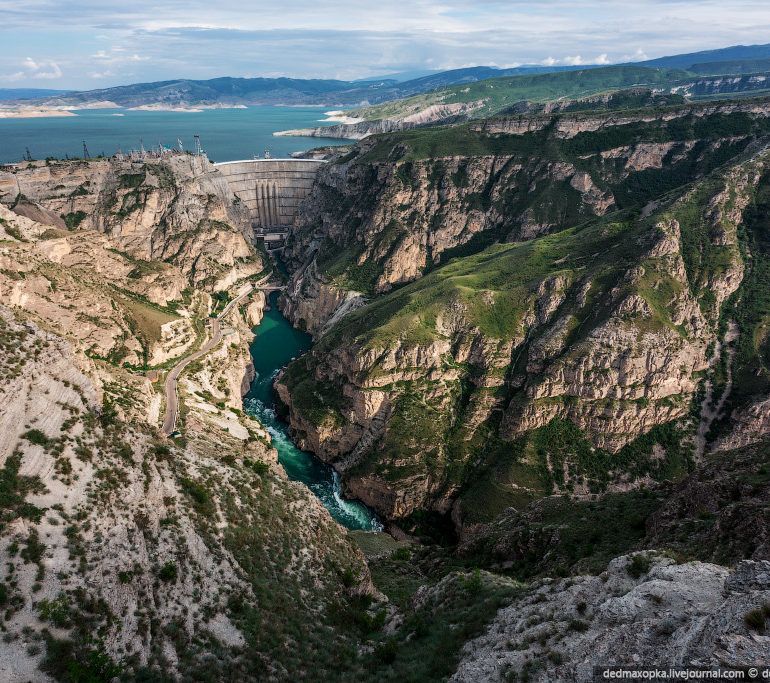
179,210
400,400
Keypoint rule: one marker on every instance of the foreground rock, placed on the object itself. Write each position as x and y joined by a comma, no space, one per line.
643,610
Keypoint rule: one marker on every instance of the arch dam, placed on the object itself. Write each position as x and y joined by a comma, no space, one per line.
272,189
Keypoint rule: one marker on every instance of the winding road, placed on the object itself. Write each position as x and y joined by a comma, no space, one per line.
172,396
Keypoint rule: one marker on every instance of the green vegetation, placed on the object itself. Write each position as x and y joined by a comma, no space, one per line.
750,306
82,661
639,565
13,492
496,287
73,219
757,618
499,93
36,437
168,572
427,646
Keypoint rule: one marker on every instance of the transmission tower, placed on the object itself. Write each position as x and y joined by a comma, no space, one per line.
27,155
198,148
86,155
180,145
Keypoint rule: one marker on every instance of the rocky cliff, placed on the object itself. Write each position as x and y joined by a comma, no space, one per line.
130,555
481,370
402,204
178,210
643,608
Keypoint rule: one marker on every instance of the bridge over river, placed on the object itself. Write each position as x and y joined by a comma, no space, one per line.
272,189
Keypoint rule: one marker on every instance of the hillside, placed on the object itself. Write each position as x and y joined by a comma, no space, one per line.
540,353
128,554
618,86
570,361
403,203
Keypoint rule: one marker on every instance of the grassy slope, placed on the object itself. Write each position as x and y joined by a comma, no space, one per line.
504,274
498,93
717,138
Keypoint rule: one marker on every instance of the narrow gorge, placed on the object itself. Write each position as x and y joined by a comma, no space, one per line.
503,395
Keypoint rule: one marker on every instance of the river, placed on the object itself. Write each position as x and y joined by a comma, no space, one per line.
275,344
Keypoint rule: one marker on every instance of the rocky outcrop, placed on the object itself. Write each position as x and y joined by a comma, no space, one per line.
606,327
644,608
442,114
128,552
399,205
567,125
178,210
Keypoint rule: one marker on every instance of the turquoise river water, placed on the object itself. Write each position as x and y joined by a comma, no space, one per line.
276,343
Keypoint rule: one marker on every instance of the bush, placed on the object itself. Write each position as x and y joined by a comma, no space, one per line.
756,618
639,566
168,572
78,662
36,437
258,467
56,611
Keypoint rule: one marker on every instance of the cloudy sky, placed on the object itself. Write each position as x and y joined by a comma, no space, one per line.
99,43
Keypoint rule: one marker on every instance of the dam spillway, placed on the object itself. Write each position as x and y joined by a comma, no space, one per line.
272,190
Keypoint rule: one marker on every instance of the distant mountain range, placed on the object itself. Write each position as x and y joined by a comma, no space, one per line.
27,93
250,91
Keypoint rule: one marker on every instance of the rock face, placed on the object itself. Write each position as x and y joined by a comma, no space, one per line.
606,327
178,210
435,114
400,205
129,554
643,610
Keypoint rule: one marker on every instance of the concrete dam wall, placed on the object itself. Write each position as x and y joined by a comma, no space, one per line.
272,190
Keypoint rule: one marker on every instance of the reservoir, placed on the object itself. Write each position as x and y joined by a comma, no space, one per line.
276,343
226,134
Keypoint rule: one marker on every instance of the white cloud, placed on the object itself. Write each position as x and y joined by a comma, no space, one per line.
151,40
116,55
638,56
44,69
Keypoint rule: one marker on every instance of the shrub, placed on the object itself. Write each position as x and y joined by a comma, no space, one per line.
258,467
36,437
756,618
78,662
639,566
168,572
578,625
56,611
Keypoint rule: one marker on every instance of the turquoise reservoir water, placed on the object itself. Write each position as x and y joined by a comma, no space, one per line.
276,343
226,134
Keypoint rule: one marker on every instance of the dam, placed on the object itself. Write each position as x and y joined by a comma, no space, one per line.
272,190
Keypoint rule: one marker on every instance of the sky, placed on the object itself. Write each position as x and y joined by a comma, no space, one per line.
86,44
